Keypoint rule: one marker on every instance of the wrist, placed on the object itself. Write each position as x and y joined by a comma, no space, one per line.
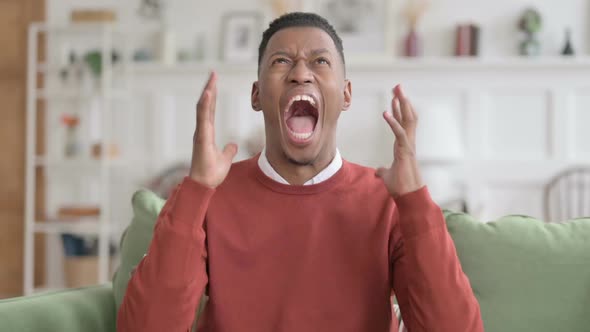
203,180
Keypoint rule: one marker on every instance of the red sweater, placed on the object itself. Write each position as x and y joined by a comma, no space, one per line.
280,258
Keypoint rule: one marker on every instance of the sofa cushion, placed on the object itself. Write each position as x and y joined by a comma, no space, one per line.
527,275
89,309
136,239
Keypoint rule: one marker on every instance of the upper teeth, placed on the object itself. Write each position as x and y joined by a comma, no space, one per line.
298,98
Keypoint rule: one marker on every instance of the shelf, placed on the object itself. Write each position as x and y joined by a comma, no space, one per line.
98,27
78,95
380,63
509,62
80,163
191,68
76,28
116,68
80,226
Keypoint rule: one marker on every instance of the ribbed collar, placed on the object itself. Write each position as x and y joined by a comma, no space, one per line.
322,176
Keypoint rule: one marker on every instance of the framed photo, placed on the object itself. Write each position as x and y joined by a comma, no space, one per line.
363,25
241,34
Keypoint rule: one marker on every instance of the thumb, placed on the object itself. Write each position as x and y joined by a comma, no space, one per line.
229,151
381,172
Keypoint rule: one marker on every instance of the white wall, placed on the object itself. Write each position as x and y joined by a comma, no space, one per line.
497,18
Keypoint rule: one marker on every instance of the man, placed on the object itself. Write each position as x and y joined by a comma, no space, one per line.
297,239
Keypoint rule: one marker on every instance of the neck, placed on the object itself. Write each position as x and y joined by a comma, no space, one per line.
298,174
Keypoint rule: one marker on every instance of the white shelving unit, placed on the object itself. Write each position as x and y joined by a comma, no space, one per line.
104,93
385,64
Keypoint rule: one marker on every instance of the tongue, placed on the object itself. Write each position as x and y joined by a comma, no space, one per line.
301,124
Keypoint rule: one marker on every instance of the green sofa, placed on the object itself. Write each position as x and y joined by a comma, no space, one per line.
526,274
83,309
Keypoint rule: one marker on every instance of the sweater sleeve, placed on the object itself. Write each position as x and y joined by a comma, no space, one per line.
165,289
433,292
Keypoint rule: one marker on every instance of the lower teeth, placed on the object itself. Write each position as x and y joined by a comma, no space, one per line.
301,136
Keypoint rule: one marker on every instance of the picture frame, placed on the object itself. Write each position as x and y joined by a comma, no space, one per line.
241,33
365,26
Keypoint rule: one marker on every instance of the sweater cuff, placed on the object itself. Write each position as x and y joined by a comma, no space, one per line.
418,213
191,202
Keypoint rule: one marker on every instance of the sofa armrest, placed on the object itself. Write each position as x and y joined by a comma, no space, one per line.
90,309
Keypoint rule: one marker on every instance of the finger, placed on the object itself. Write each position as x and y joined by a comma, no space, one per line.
204,108
203,123
395,109
381,172
411,127
396,127
213,104
406,107
211,81
204,100
230,151
409,115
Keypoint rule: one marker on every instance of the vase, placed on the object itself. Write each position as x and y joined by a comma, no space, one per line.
72,146
530,46
412,44
568,48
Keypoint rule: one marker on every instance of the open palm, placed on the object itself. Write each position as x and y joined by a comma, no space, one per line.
209,165
404,175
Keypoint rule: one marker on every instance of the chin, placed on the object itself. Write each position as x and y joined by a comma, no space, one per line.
301,158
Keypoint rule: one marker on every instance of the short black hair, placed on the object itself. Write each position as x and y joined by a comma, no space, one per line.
299,19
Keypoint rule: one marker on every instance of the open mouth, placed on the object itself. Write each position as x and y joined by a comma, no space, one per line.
301,117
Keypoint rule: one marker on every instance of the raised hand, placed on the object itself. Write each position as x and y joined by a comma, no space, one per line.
403,176
209,165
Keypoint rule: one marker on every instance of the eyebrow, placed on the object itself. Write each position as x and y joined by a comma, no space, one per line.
313,52
320,51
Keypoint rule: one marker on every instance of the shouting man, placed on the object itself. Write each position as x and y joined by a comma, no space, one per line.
297,239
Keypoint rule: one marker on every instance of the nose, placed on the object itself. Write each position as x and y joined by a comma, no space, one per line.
300,73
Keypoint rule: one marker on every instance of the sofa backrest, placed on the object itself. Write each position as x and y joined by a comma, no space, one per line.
526,274
84,309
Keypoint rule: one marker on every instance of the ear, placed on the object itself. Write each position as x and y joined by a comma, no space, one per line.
254,97
347,95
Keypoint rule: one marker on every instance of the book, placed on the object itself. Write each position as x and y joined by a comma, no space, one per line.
93,16
467,40
463,40
473,40
75,212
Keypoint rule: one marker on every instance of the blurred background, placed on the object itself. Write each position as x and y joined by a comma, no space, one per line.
98,100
